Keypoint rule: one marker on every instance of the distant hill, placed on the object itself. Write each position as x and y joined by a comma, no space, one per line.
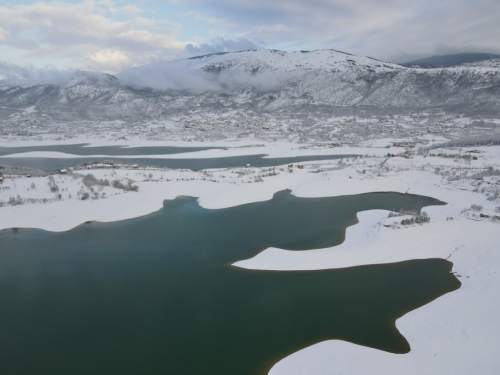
264,80
459,59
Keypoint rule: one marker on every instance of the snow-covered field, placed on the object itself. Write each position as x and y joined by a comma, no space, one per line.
456,334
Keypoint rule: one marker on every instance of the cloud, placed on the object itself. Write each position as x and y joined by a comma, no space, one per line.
112,35
3,34
381,29
85,35
220,44
13,71
172,76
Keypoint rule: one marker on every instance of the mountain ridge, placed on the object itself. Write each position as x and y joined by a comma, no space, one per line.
454,60
264,80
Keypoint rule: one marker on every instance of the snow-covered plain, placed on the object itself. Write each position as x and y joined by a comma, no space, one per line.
456,334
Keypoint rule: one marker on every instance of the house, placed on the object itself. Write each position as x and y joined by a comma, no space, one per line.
474,158
63,171
248,165
1,178
135,166
300,166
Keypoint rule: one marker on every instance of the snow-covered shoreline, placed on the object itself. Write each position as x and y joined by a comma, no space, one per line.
455,334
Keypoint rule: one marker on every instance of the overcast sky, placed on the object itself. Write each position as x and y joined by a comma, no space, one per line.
112,35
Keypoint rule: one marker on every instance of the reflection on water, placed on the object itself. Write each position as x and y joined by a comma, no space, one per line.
157,294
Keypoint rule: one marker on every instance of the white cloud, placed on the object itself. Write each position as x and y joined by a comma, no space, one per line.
85,36
111,35
110,57
14,71
175,77
3,34
381,28
221,44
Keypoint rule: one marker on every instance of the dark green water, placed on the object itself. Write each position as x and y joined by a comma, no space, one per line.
53,164
80,149
157,294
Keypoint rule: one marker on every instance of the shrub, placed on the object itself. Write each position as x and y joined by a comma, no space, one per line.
117,184
90,180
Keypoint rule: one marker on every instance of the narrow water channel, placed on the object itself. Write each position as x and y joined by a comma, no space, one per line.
83,149
54,164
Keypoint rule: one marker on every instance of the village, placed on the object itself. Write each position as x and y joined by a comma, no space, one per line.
210,125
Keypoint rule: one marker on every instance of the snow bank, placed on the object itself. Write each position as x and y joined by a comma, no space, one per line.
456,334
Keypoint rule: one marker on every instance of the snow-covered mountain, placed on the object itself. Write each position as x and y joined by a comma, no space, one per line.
278,61
264,80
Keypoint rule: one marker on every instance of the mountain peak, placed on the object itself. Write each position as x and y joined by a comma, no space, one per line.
253,61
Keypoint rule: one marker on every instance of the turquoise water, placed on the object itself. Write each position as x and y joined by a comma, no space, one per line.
158,295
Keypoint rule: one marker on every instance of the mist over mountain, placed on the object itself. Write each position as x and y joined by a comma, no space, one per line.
262,80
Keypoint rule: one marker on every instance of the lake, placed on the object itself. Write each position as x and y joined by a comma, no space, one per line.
157,294
54,164
83,149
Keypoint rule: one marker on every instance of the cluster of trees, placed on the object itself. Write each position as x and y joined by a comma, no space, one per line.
404,212
416,220
453,156
21,171
117,184
490,140
488,172
494,194
90,180
94,163
16,201
418,217
52,185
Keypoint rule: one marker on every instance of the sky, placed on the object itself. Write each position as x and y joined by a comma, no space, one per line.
37,38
